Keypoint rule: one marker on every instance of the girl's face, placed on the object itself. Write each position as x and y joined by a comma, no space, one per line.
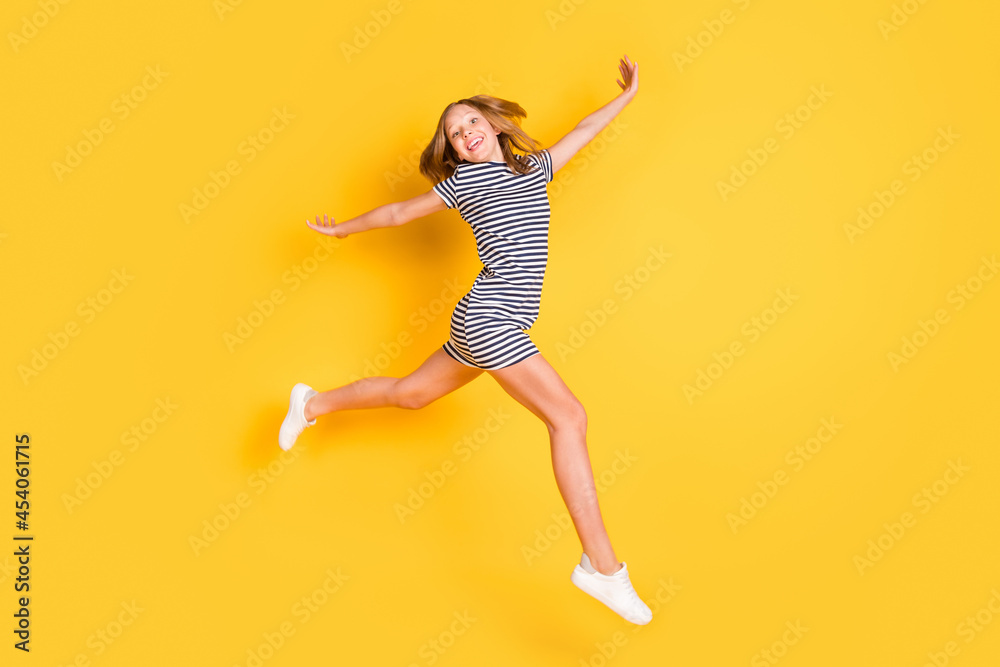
472,136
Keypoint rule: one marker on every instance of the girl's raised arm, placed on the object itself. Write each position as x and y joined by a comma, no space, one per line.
563,150
387,215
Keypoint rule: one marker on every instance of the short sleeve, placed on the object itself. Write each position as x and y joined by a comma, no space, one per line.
446,190
546,163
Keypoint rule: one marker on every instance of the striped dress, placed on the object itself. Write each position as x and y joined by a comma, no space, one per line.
509,215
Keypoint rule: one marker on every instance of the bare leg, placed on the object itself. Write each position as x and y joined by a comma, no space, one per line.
437,376
537,386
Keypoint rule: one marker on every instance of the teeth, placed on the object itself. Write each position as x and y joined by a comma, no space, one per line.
475,142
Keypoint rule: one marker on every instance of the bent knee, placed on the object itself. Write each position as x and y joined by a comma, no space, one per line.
413,402
409,397
571,417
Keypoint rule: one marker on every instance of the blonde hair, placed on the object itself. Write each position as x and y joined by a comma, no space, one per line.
439,159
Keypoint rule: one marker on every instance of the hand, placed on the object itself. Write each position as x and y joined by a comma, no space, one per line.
630,77
330,229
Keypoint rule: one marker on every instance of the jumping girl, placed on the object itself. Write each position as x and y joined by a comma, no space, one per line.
503,197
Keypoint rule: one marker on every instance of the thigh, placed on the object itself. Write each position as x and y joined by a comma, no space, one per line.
536,385
437,376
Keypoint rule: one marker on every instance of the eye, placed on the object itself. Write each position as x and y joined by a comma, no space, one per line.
455,133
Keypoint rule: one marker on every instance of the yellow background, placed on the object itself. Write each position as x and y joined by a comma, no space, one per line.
357,119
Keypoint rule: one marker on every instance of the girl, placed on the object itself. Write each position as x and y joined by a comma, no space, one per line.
503,197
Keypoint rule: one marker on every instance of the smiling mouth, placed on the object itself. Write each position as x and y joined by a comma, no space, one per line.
474,144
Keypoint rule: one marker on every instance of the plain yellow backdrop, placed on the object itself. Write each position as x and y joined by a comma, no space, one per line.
792,418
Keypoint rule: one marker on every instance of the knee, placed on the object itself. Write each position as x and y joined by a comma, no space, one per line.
409,397
572,417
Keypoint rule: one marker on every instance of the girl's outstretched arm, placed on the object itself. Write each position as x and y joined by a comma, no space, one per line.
563,150
387,215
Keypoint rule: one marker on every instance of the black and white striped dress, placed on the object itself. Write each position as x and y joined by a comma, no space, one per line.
509,215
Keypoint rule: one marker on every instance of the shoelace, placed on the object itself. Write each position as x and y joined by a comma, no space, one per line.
628,585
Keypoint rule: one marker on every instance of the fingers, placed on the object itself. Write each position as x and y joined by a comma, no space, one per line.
326,222
322,227
629,72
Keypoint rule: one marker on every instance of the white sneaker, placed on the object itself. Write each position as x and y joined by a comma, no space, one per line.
295,421
614,590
